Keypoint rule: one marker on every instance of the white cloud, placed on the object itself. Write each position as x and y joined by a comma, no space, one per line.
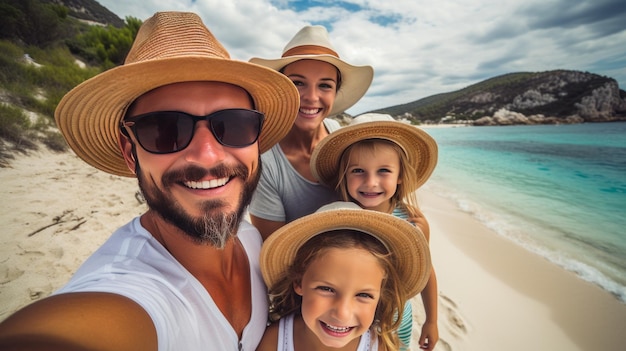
419,48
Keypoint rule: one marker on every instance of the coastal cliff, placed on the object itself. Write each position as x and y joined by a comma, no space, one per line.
552,97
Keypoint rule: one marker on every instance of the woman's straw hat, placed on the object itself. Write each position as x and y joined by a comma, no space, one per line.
406,242
170,47
420,148
312,43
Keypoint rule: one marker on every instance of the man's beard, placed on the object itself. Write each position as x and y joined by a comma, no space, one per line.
215,227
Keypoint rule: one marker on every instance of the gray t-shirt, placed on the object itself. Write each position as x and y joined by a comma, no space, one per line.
283,195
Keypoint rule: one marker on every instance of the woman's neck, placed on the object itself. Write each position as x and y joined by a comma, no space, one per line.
303,140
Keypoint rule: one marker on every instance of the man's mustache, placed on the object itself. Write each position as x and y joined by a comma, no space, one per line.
196,173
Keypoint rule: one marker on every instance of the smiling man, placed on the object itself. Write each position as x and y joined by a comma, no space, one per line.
190,124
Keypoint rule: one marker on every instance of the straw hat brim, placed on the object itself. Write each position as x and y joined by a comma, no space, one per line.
404,241
420,148
89,115
355,80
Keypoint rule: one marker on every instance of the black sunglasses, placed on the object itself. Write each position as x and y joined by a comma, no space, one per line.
164,132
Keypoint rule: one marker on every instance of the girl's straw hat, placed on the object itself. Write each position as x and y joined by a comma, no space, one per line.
312,43
406,242
170,47
420,148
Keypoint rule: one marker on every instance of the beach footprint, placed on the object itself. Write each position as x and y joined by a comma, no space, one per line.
9,274
453,329
454,322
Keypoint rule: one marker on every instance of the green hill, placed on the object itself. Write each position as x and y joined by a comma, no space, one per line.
547,97
46,49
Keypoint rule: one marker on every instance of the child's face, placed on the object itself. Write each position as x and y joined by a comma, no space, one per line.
340,291
372,176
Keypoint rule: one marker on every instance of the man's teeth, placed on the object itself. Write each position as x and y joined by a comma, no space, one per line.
207,184
338,329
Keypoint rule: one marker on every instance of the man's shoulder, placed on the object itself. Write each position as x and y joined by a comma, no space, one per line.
245,226
249,235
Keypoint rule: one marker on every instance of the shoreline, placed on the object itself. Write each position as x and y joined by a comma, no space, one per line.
442,125
510,298
494,294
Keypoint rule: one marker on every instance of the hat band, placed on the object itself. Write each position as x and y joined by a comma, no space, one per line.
309,50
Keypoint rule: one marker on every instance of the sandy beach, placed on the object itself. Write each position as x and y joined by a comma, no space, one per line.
494,295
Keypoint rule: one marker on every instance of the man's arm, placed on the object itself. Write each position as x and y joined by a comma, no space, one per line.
79,321
264,226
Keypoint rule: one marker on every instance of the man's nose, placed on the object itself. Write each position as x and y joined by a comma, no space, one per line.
204,147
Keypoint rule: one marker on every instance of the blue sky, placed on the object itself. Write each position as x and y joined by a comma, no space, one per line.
420,48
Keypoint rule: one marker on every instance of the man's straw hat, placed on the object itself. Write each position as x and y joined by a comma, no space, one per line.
405,242
170,47
420,148
312,43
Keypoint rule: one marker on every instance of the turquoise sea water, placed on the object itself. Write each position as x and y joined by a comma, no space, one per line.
557,190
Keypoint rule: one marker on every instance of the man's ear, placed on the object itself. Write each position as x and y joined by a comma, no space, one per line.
127,148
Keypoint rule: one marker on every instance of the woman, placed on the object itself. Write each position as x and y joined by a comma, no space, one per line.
287,189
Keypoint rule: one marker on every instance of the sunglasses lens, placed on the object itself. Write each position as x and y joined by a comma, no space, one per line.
164,132
236,128
171,131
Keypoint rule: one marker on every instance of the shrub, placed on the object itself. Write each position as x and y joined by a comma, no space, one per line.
55,45
15,129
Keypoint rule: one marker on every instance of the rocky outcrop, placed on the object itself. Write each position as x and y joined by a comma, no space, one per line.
551,97
602,104
90,11
504,117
